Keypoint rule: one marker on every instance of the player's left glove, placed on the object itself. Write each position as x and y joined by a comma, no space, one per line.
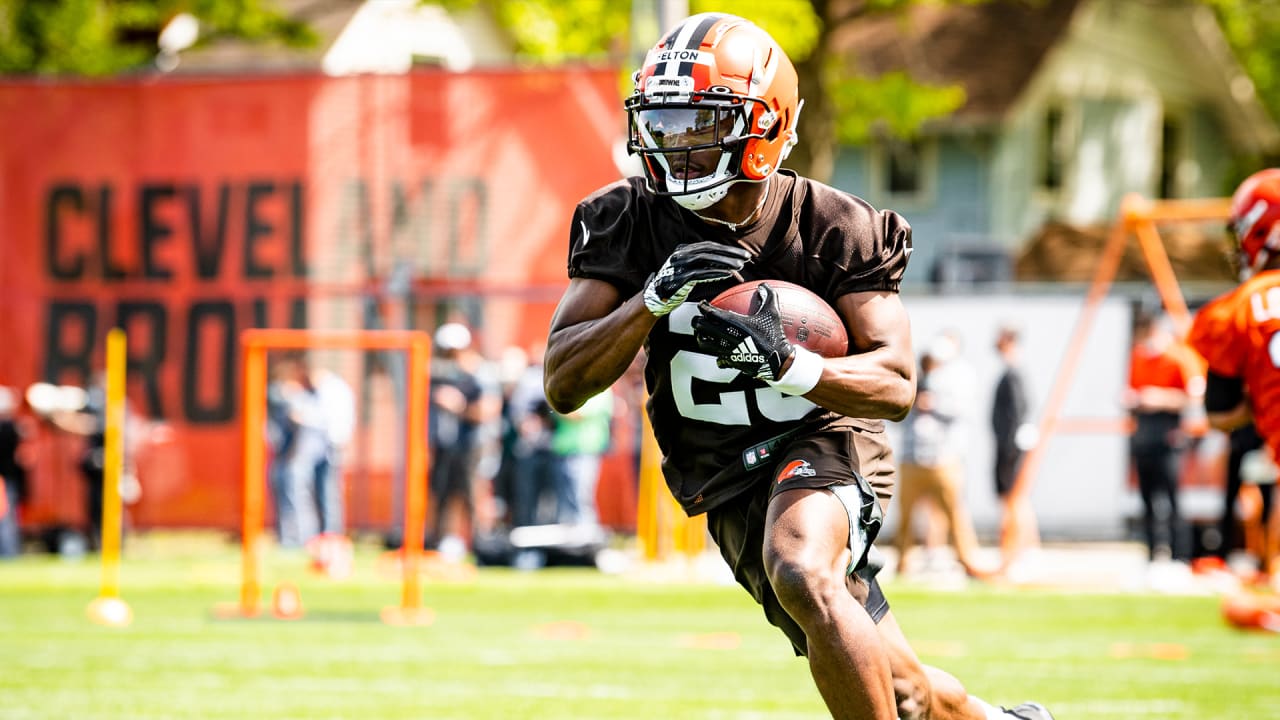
753,344
689,265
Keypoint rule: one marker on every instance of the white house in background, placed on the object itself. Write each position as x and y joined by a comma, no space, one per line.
365,36
1071,104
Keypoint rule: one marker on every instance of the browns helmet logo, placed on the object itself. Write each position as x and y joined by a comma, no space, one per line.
796,468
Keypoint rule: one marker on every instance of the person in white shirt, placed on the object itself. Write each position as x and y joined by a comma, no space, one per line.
934,446
337,405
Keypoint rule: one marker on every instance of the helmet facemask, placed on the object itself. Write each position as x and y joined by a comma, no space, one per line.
1253,256
692,146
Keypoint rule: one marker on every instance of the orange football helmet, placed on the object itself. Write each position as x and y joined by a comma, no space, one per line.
716,102
1255,220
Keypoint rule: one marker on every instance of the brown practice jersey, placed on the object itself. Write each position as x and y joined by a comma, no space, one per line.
718,429
1236,334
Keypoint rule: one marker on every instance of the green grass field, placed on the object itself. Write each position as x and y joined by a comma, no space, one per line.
574,643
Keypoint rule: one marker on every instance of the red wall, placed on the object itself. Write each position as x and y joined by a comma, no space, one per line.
186,210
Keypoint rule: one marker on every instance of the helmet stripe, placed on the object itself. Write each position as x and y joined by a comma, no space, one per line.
695,41
670,39
669,67
688,36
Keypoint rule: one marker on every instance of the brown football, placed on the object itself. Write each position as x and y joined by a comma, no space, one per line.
807,319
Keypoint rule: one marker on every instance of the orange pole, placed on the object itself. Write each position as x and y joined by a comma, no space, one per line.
649,506
1162,274
113,464
1142,216
255,418
297,339
1107,268
415,506
1184,210
108,608
1271,536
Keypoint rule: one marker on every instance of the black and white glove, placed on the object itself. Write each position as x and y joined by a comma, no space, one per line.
753,344
687,266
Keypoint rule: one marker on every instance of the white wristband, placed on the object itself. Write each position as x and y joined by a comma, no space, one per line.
803,375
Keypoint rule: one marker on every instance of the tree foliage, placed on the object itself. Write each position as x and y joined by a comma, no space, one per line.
1252,28
107,37
892,103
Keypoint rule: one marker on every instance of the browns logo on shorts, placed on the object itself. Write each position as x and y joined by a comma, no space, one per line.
796,468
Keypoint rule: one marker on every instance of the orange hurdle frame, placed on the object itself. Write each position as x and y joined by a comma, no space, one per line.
255,343
1139,217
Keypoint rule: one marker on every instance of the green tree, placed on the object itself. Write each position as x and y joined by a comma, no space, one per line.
1252,28
107,37
843,107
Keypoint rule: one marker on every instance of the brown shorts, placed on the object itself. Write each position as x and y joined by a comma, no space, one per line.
837,460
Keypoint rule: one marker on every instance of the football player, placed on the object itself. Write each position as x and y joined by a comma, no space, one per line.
1236,333
784,450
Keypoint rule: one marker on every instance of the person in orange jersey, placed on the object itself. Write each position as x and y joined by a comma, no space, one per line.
1238,333
1158,392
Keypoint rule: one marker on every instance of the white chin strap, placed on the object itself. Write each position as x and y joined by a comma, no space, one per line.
705,199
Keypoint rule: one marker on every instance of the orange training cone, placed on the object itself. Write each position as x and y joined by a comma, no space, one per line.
286,602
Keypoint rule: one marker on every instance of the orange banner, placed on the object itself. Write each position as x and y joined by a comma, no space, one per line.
186,210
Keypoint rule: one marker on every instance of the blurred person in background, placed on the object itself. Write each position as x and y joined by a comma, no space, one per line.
579,440
13,475
713,115
1244,442
935,442
461,401
89,421
1234,332
534,489
512,364
1158,392
1015,434
330,549
299,442
337,406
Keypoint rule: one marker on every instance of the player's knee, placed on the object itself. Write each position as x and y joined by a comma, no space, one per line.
804,587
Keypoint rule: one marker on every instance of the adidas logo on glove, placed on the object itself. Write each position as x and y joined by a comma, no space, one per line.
747,352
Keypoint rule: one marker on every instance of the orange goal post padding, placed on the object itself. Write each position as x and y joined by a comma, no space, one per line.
255,344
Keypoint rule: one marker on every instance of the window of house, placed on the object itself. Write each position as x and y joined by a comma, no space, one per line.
1053,149
904,167
1171,136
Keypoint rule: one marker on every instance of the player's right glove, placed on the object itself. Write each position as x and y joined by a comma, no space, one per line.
687,266
752,344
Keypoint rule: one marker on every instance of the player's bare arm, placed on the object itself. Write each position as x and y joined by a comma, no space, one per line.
877,379
595,334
